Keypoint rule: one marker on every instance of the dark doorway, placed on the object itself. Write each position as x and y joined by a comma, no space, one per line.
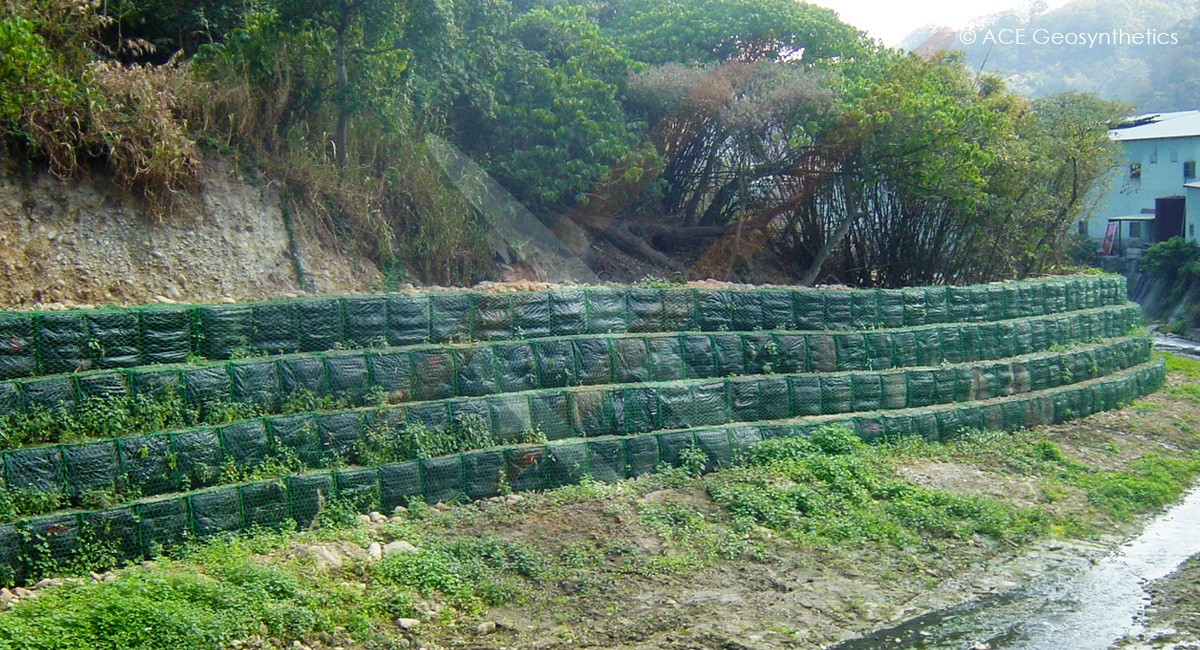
1168,217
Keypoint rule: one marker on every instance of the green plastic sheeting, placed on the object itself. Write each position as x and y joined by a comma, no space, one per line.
41,343
145,528
164,462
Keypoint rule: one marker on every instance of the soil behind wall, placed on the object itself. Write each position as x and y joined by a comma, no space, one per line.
85,241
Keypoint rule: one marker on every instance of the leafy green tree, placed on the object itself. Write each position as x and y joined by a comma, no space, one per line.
561,127
535,97
1170,260
929,173
357,30
28,75
711,31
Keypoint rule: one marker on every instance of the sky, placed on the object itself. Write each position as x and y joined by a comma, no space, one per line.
892,20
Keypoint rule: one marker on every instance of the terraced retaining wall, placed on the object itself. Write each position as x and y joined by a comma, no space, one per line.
165,462
548,387
440,371
42,343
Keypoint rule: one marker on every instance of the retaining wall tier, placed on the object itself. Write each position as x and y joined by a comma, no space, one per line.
42,343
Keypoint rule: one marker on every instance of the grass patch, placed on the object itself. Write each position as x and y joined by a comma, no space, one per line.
468,573
834,490
1146,484
225,594
1190,392
1183,366
1149,483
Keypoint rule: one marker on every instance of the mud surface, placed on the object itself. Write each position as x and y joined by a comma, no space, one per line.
1173,618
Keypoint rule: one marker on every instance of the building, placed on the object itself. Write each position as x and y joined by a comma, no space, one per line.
1155,194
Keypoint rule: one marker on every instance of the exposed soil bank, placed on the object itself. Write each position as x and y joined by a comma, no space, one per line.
85,241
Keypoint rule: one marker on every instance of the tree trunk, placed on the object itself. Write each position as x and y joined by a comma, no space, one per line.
839,233
342,86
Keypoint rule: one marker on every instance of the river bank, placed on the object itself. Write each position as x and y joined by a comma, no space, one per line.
807,546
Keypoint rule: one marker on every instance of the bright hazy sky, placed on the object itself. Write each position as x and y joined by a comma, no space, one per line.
892,20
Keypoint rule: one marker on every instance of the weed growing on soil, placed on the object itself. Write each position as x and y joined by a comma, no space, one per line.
469,572
1186,368
279,463
224,595
17,503
685,527
1151,482
832,489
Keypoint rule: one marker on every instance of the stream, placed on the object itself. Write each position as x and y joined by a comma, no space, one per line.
1177,345
1088,610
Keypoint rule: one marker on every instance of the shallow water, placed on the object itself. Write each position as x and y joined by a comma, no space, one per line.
1082,611
1177,345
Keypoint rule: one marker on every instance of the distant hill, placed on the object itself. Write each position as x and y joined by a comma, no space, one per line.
1153,77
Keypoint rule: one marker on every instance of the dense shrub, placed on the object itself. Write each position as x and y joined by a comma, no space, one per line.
1171,260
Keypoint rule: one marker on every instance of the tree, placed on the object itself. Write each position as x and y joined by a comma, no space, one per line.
561,127
534,98
711,31
360,29
950,179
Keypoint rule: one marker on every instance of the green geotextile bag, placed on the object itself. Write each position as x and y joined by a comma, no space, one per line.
42,343
18,346
161,463
441,371
62,342
145,528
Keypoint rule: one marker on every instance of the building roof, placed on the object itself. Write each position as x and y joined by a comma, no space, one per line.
1151,126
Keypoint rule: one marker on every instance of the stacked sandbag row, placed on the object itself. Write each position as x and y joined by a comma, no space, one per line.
44,343
438,371
145,527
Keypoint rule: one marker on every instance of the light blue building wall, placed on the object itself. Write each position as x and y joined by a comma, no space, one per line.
1161,154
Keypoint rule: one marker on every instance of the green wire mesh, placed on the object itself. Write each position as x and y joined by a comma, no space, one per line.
526,390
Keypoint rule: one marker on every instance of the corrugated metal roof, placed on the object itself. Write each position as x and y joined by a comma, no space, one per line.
1182,124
